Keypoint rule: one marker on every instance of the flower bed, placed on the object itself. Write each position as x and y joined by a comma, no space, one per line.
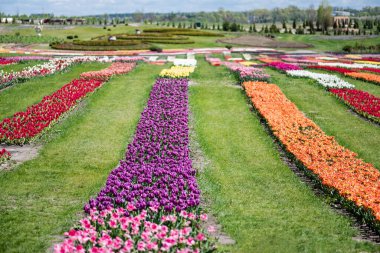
116,68
177,72
371,70
157,156
332,69
349,66
185,62
48,68
283,66
214,61
337,168
267,59
362,102
247,73
368,62
25,58
326,80
23,127
365,76
145,231
4,155
150,201
4,61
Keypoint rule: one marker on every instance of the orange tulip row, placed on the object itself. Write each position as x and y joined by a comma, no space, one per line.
365,76
336,166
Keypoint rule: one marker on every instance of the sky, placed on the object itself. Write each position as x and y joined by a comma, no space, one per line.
90,7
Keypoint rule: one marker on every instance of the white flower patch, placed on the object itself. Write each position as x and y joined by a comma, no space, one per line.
326,80
326,58
185,62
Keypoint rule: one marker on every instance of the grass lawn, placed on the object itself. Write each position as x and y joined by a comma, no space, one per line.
332,115
44,197
329,45
87,32
19,66
19,96
257,199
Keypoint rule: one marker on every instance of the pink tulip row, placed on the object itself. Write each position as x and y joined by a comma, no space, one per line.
116,68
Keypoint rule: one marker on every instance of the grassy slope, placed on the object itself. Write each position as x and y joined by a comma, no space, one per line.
257,199
43,198
19,66
20,96
332,116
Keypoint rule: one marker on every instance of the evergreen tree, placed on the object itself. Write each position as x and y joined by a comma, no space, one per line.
226,26
234,27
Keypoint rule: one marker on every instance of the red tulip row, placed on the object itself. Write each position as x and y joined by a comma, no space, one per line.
23,127
4,61
362,102
333,69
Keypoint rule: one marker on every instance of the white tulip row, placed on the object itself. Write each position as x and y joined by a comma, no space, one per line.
47,68
185,62
349,66
326,80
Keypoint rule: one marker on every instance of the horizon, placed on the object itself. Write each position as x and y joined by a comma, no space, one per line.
100,7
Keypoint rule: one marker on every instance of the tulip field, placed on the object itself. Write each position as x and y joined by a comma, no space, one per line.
278,152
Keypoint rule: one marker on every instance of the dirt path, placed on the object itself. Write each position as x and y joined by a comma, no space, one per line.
19,154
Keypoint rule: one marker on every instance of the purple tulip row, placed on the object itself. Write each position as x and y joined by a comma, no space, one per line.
157,171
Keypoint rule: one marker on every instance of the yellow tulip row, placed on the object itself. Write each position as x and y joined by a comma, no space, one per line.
177,72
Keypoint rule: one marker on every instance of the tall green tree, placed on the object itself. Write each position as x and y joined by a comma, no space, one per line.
324,16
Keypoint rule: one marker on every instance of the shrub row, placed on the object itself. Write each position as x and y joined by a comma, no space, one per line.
179,31
170,41
106,43
137,37
71,46
27,39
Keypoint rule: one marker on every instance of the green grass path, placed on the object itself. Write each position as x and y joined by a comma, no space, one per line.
44,197
257,199
332,115
19,96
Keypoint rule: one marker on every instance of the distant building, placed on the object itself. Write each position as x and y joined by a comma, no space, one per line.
6,20
342,21
341,13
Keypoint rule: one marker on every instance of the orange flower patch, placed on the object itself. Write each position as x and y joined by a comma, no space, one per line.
365,76
336,166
